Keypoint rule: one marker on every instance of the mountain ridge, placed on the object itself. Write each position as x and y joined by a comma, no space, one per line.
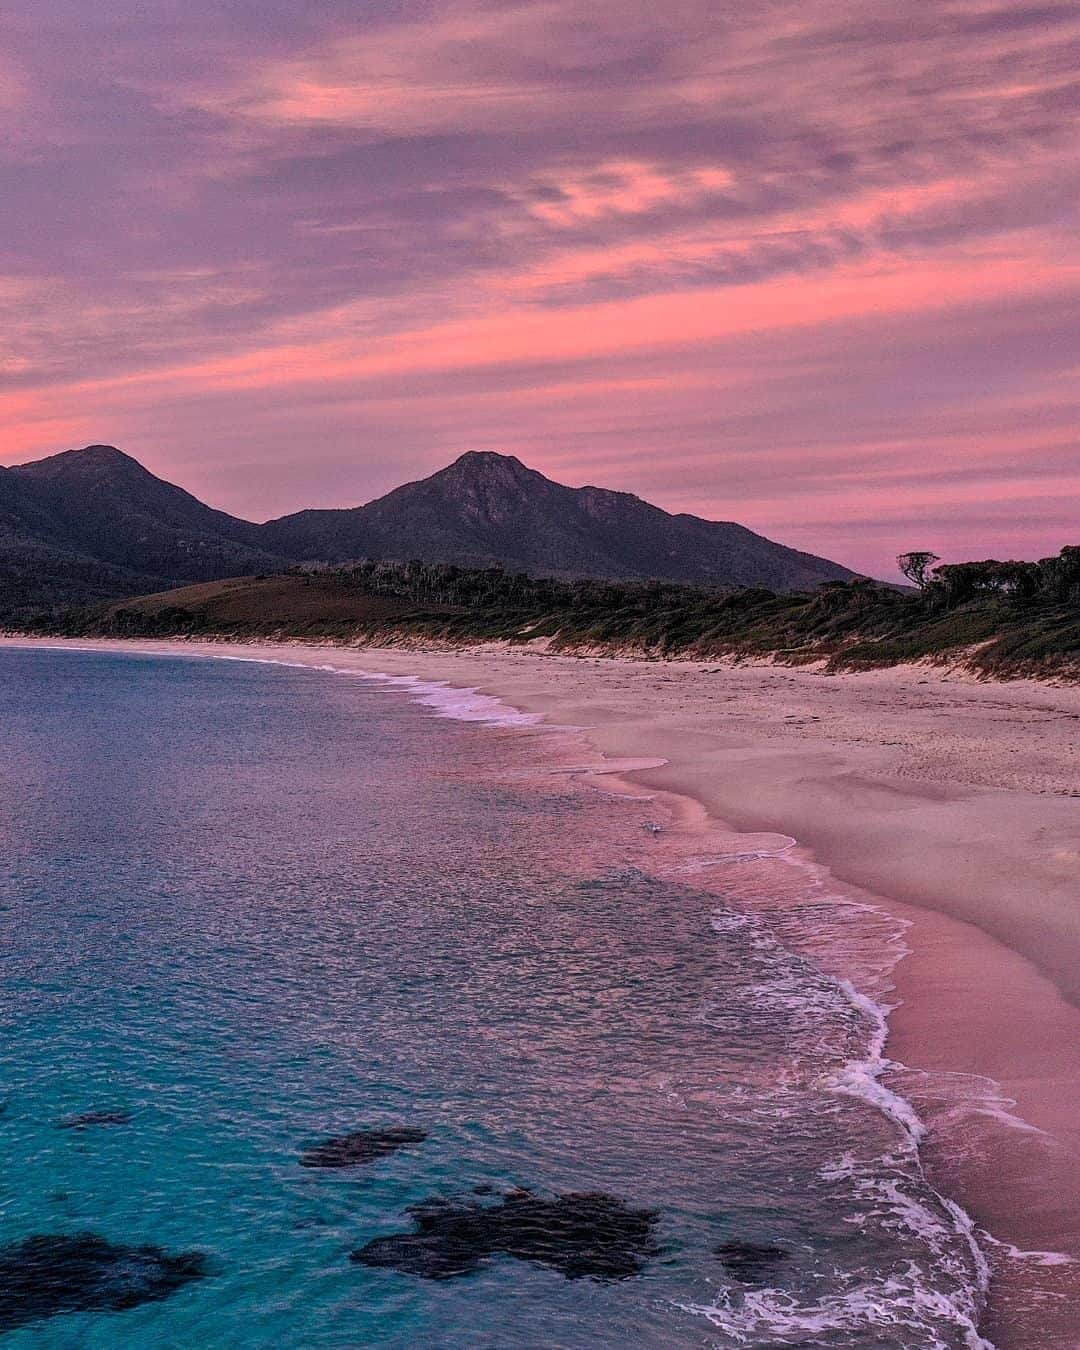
490,509
92,523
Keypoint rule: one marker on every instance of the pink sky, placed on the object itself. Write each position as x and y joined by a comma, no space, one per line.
810,267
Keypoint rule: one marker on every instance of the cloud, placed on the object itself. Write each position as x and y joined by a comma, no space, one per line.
757,259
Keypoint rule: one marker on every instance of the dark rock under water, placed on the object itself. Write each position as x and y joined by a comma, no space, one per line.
88,1118
752,1262
579,1234
80,1272
361,1147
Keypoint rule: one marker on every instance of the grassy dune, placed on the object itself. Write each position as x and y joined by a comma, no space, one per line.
845,625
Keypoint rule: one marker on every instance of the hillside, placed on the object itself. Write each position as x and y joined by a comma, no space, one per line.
326,604
963,618
88,524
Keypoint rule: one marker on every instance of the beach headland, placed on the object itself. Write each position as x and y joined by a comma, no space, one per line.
950,803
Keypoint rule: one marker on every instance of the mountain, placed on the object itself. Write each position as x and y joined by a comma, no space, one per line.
487,509
91,524
41,567
107,506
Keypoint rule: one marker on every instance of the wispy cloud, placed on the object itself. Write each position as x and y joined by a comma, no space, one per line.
777,263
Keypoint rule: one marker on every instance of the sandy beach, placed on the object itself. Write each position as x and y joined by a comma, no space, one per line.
951,803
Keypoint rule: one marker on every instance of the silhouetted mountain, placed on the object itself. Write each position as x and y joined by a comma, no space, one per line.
40,565
487,509
110,508
91,524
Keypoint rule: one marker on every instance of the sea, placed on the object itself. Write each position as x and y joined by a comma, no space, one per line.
248,908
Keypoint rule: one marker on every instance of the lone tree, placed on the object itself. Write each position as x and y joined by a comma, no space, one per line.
915,566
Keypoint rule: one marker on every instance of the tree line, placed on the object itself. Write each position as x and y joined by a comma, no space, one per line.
1056,579
940,585
446,584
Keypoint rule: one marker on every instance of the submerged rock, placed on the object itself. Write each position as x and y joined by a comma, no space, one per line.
752,1262
60,1273
88,1118
360,1147
587,1234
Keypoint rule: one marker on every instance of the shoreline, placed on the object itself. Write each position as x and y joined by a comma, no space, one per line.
950,804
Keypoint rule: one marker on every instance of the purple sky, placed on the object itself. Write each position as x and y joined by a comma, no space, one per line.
810,266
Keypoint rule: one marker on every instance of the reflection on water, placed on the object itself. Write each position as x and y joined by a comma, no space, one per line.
251,911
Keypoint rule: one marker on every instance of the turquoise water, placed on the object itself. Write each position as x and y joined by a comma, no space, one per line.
256,906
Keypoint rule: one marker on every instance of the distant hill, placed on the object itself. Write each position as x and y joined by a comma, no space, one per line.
93,524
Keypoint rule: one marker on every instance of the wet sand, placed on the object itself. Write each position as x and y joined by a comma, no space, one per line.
956,805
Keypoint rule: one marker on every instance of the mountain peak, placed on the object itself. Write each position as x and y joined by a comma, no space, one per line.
484,483
102,453
90,461
488,463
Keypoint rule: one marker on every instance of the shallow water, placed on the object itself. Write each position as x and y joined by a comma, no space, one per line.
257,906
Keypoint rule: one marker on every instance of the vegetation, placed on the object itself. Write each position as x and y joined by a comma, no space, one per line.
995,618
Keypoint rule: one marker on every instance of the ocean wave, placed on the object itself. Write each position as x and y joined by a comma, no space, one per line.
895,1307
455,702
937,1300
